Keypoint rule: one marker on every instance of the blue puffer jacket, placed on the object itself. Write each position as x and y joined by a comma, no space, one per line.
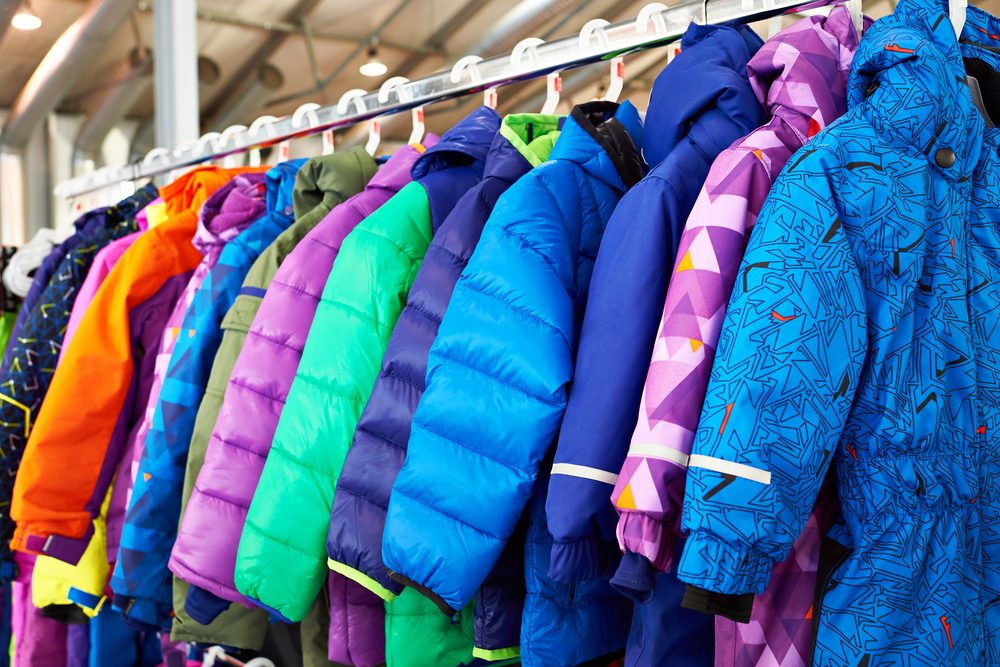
500,366
354,542
862,333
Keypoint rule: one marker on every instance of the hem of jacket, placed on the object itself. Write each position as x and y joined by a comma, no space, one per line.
635,578
572,561
66,549
192,578
493,655
361,579
445,608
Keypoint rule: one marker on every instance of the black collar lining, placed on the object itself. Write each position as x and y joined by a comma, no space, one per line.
597,119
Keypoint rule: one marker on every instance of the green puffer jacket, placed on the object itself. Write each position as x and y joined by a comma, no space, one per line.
281,560
321,184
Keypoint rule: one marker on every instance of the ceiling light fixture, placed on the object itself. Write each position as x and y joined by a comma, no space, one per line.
25,19
374,67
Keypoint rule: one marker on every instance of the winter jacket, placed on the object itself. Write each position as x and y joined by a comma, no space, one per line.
499,369
38,641
321,184
362,299
53,504
860,334
224,216
141,582
254,392
629,283
354,541
26,378
800,76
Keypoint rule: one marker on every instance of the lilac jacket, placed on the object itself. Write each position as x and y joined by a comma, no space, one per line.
223,216
801,76
205,551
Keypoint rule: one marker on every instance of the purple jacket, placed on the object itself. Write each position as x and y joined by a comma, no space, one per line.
223,216
204,554
801,76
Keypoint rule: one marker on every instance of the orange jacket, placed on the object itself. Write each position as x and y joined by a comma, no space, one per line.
78,437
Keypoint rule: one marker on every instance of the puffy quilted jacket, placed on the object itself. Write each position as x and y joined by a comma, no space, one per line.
141,582
801,77
34,353
54,504
860,334
254,393
498,373
322,183
283,564
354,541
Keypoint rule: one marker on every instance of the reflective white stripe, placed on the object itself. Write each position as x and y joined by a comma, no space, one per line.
730,468
654,451
585,472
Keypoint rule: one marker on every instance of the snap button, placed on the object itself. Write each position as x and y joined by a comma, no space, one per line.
872,87
945,157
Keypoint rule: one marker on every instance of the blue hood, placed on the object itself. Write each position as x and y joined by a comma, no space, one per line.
711,71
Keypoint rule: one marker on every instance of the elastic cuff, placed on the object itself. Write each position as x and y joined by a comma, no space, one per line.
496,654
426,592
710,563
203,606
66,549
635,578
649,537
580,560
362,579
734,607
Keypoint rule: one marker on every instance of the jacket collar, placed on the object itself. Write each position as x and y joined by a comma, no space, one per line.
801,73
909,76
280,184
466,142
325,177
227,212
530,135
604,138
395,173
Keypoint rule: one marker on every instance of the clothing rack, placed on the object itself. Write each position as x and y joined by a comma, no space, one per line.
655,25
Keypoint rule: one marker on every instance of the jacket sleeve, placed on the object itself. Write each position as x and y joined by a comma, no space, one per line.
650,489
75,445
792,349
496,390
282,563
623,309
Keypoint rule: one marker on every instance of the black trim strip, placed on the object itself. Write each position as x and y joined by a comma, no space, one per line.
612,136
423,590
734,607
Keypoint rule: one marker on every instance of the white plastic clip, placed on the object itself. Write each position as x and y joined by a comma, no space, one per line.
617,81
553,82
309,110
155,154
652,13
255,128
397,84
233,159
470,64
356,96
209,139
856,11
957,10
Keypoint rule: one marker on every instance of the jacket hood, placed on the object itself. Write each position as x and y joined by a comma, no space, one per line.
192,189
711,70
616,129
327,176
531,135
280,185
468,141
227,212
804,69
909,74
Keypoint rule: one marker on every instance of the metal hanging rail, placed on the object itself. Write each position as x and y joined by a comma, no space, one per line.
656,25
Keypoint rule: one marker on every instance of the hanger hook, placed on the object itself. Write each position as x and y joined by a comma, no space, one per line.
353,96
155,155
652,13
553,82
528,45
617,81
394,83
307,110
470,64
209,138
262,123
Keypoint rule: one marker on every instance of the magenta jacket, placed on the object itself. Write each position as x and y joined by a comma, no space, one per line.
801,76
204,554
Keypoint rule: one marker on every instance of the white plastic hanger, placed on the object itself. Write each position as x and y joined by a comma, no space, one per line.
856,11
397,84
233,160
469,63
553,82
209,140
956,12
264,122
617,81
308,110
356,97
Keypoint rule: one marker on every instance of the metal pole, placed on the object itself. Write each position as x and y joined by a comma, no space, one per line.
175,53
